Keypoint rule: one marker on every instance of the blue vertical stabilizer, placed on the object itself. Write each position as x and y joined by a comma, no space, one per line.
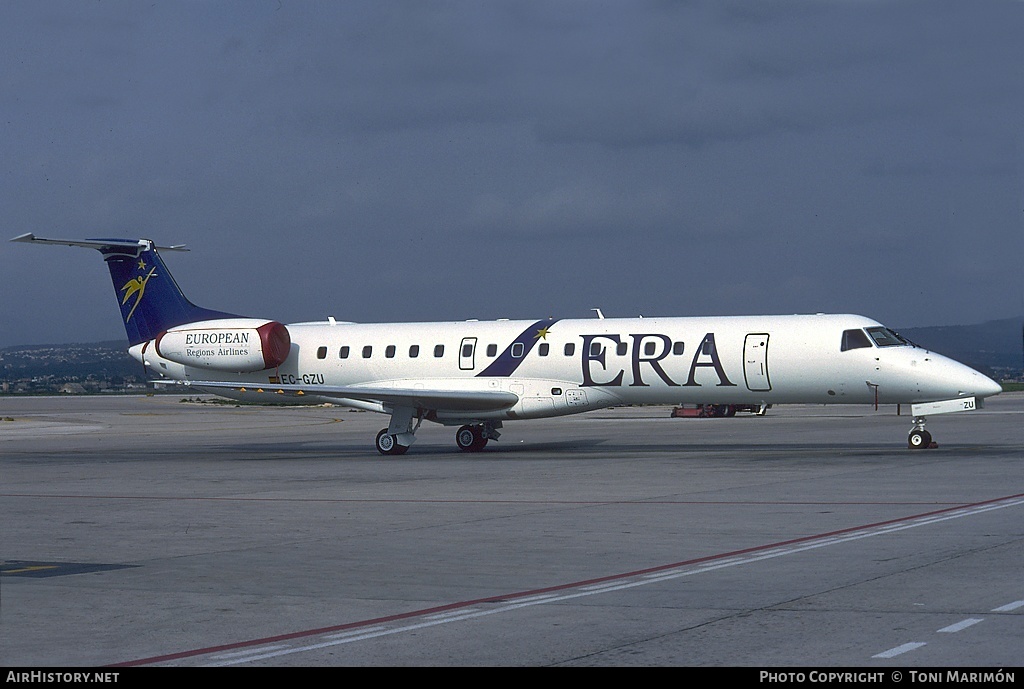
150,299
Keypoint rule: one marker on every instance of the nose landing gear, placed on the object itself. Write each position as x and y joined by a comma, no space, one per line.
919,438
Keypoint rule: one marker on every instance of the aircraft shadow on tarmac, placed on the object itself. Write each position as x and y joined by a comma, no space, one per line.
596,447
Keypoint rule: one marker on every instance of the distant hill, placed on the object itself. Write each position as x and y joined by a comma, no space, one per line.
992,346
101,359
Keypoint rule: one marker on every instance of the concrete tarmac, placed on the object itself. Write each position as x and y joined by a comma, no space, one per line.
174,531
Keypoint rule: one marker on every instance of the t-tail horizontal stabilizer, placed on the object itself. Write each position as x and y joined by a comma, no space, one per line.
138,245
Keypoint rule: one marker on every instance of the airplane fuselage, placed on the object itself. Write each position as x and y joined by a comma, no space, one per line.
565,366
478,374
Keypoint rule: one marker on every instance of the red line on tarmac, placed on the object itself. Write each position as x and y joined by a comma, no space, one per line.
533,592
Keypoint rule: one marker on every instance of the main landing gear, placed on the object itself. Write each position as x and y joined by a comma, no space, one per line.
400,433
387,444
396,438
473,437
919,438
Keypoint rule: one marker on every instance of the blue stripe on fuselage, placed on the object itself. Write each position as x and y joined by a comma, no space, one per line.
506,364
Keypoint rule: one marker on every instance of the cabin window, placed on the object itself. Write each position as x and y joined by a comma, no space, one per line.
438,351
518,349
620,348
854,339
543,348
595,348
390,352
570,348
649,349
492,350
343,352
556,391
467,350
414,351
321,352
677,348
367,351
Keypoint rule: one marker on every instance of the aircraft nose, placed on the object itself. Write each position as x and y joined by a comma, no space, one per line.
978,384
987,387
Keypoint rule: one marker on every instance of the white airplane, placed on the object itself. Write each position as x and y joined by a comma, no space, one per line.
478,374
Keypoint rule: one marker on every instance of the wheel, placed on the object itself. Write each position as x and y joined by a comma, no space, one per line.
470,438
919,439
388,445
730,410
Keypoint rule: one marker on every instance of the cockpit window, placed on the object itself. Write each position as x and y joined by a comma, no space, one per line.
884,337
855,339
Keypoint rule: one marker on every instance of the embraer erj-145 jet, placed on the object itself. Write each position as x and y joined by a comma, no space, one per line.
476,375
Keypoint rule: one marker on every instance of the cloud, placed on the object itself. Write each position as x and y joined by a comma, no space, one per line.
418,161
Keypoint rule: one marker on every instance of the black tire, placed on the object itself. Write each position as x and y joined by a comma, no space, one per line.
388,444
470,438
919,439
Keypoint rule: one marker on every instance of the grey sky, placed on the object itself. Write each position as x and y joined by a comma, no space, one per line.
378,161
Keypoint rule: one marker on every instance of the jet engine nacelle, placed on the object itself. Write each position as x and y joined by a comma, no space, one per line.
239,345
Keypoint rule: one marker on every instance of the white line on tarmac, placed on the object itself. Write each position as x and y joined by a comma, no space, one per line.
1009,606
900,650
964,624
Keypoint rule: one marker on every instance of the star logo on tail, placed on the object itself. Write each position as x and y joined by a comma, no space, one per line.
135,287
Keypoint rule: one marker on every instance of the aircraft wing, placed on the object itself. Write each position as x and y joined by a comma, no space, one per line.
418,398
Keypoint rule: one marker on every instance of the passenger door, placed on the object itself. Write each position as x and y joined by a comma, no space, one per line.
755,362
